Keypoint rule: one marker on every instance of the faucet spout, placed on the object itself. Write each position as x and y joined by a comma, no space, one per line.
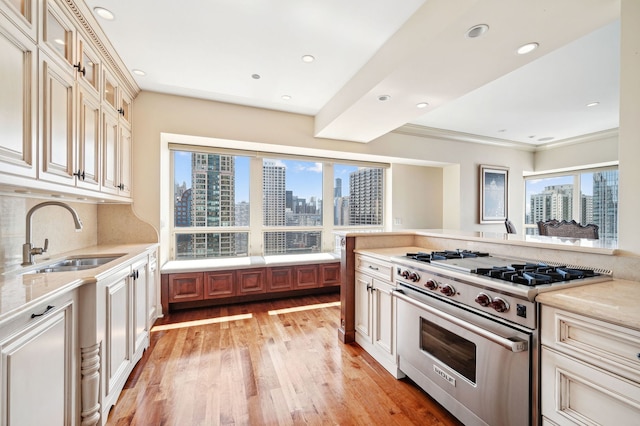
27,249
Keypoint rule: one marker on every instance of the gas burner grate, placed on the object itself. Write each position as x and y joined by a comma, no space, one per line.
532,274
445,255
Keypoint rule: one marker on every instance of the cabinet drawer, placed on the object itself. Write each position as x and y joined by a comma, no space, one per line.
575,392
610,346
374,267
186,287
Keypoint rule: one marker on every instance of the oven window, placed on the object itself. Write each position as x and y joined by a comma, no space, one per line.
451,349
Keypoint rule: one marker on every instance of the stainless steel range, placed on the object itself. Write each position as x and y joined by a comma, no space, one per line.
468,330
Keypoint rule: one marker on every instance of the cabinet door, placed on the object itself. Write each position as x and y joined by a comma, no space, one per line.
118,339
37,374
19,102
329,274
124,161
57,34
140,285
363,285
109,153
125,107
251,281
280,279
306,277
383,318
185,287
88,67
23,14
57,158
219,284
88,149
152,291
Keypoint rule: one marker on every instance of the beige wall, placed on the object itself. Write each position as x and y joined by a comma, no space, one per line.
157,117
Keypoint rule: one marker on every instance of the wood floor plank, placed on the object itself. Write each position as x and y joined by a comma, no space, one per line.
263,363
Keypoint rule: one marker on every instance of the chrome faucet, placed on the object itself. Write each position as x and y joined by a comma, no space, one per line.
28,251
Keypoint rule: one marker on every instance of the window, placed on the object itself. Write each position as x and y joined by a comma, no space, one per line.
213,190
358,196
586,197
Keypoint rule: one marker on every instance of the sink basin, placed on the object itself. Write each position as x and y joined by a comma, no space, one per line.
78,263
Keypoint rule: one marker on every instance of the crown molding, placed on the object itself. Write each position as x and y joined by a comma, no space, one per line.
92,31
423,131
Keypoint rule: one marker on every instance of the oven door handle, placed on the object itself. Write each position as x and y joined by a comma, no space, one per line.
515,345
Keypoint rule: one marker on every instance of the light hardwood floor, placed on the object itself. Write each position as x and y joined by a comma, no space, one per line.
266,363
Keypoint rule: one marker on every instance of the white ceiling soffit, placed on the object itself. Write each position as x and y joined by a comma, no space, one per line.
411,50
431,60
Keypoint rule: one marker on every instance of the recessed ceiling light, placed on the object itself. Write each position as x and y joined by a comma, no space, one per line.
286,97
138,72
308,58
477,30
104,13
384,97
526,48
422,105
255,76
592,104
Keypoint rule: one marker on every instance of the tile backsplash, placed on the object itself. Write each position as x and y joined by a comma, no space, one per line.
52,222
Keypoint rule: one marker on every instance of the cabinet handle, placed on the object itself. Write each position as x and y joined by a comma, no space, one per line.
121,112
121,186
80,68
80,174
373,267
135,274
49,307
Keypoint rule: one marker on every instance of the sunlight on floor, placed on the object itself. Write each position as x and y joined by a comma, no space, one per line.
201,322
303,308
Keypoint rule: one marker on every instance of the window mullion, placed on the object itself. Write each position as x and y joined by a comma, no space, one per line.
256,219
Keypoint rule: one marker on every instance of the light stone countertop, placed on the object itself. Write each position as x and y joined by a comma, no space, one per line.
21,291
616,301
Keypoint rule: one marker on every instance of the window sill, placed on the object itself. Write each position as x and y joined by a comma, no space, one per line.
199,265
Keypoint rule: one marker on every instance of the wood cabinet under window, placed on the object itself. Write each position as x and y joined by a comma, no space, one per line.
228,286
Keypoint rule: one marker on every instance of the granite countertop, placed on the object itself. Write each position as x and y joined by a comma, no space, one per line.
616,301
20,290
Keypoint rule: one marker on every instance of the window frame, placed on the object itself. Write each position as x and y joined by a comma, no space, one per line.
576,175
256,228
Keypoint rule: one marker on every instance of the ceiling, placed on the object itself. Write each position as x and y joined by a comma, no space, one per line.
249,52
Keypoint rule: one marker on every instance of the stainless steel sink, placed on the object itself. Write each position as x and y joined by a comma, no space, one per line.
78,263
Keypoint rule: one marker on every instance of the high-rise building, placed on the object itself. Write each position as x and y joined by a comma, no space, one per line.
274,201
366,196
605,203
555,202
212,204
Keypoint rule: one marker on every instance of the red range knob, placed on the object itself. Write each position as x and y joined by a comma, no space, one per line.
414,277
405,274
483,299
431,284
448,290
500,305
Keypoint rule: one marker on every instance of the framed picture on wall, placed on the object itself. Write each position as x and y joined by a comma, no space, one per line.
494,190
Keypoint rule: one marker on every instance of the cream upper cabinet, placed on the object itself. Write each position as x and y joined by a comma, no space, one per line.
88,167
23,14
116,178
57,34
19,101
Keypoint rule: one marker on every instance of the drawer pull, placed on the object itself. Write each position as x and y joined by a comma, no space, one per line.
49,307
374,268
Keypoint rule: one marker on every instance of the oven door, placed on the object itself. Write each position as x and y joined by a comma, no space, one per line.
476,367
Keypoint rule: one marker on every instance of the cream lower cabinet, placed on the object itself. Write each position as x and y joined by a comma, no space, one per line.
38,379
122,300
590,371
375,311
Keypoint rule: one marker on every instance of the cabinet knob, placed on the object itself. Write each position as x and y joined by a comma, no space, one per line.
80,69
80,174
121,112
121,186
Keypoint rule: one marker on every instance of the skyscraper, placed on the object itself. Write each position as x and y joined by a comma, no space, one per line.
555,202
605,203
366,196
274,201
